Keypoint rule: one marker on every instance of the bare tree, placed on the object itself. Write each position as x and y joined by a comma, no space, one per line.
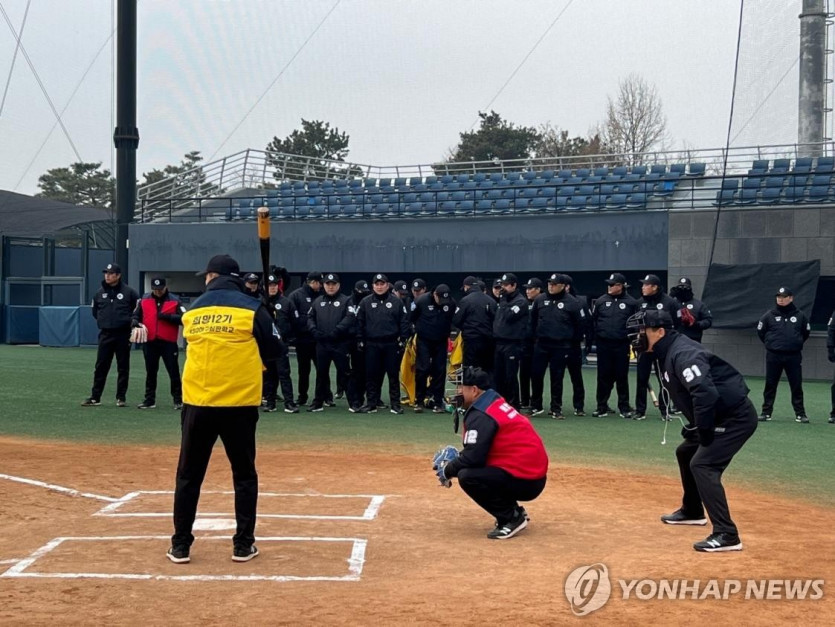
561,150
635,122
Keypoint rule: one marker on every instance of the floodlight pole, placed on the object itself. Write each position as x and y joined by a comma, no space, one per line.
126,134
812,92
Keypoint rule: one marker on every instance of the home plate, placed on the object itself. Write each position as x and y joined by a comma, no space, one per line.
213,524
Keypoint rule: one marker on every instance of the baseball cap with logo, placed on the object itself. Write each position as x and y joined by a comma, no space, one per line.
221,264
273,280
331,277
401,286
556,278
497,282
115,268
784,291
685,282
615,278
157,283
534,282
314,276
418,284
508,278
380,278
443,294
361,286
251,278
651,279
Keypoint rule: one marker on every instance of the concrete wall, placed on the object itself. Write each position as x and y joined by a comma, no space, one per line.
754,235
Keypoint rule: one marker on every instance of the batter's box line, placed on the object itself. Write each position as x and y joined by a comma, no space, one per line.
370,513
355,562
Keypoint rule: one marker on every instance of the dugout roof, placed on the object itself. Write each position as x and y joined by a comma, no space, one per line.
28,216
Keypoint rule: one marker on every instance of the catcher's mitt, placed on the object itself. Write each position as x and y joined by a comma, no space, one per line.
687,318
439,462
139,335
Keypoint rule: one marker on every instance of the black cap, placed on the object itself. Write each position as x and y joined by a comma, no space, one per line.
615,278
157,283
497,282
250,277
221,264
401,286
380,277
361,286
314,276
784,291
113,267
418,284
476,376
557,278
534,282
331,277
469,281
509,278
685,282
651,279
656,319
272,280
568,279
443,294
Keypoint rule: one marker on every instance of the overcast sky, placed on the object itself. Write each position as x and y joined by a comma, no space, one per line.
402,78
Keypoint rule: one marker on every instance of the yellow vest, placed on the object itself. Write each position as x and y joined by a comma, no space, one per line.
223,366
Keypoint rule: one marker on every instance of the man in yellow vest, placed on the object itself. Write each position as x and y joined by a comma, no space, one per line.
230,336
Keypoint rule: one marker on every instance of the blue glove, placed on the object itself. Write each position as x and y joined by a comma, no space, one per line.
439,462
446,483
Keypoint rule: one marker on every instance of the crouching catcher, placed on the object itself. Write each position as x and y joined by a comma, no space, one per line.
503,460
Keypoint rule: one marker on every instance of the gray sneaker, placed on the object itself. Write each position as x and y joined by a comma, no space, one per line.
244,553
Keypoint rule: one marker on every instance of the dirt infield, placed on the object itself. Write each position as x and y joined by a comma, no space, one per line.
426,558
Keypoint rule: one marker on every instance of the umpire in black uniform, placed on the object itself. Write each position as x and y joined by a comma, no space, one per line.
830,353
113,307
432,318
713,397
695,315
533,288
277,372
510,327
652,298
575,355
784,330
357,378
611,311
474,317
382,331
302,299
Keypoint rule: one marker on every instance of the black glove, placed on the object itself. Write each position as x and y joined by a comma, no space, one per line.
705,437
831,355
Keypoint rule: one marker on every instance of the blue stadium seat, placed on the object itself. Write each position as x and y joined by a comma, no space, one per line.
725,197
752,182
802,165
582,172
285,189
452,185
792,194
565,191
639,170
413,209
521,205
593,179
478,177
429,196
620,170
505,183
377,210
446,208
434,186
509,193
576,203
585,190
658,168
462,178
607,189
528,192
327,189
459,196
616,201
244,203
431,179
637,200
696,169
819,180
375,198
229,213
781,165
486,184
678,168
513,176
272,202
356,190
492,194
562,203
272,193
299,185
601,172
394,199
759,166
770,195
400,183
484,206
546,175
384,183
446,179
502,206
564,174
748,195
496,177
819,193
387,189
287,202
825,164
528,175
340,184
471,184
465,207
549,192
428,208
422,187
369,182
300,201
634,176
774,181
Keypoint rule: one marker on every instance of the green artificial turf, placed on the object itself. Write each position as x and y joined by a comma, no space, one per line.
42,389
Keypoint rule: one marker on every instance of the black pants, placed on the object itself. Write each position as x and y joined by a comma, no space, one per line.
278,373
168,352
613,370
645,374
525,373
201,427
355,392
701,468
305,358
478,352
575,373
506,371
430,362
382,359
497,491
112,342
775,364
555,359
327,353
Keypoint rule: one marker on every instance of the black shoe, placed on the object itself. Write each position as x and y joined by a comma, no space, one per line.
355,409
340,394
831,420
316,407
418,409
291,408
381,405
120,402
269,407
179,554
602,413
680,518
535,411
396,409
244,553
579,412
178,405
330,403
635,415
764,417
367,409
509,529
556,415
90,402
801,418
147,405
302,401
439,409
716,542
521,511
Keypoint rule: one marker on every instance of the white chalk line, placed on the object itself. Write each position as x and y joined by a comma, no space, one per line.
58,488
355,562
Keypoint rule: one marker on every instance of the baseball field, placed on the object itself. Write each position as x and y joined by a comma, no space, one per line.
354,529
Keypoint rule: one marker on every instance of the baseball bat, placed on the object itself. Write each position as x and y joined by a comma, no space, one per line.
264,243
652,395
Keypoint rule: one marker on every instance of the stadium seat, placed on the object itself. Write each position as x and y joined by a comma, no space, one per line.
658,168
565,191
272,193
340,184
431,179
601,172
748,195
620,170
593,179
774,181
825,164
479,177
446,208
577,203
781,165
470,185
549,192
607,189
678,168
585,190
400,183
725,197
792,194
435,186
521,205
562,203
446,179
413,208
459,196
802,165
696,169
465,207
327,189
546,175
582,172
515,177
486,184
528,192
496,176
639,170
528,175
428,208
818,193
819,180
759,166
752,182
422,187
484,206
770,195
285,189
564,174
492,194
375,198
616,201
452,185
539,203
287,202
502,206
637,200
634,176
462,178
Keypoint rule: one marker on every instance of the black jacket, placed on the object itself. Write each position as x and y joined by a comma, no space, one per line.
662,302
511,321
302,299
285,314
557,319
382,318
113,307
706,388
700,311
784,329
330,319
432,321
474,315
610,316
